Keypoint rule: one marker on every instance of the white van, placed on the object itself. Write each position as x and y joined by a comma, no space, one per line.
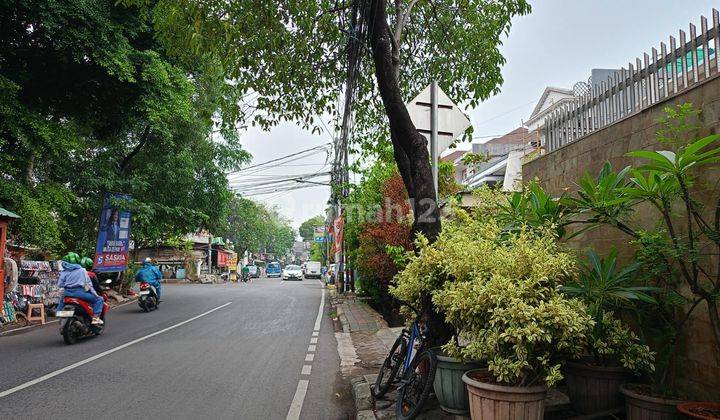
313,270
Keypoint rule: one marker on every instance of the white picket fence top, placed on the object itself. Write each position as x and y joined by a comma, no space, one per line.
631,90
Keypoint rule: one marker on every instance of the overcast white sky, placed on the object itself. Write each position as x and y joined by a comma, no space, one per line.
557,45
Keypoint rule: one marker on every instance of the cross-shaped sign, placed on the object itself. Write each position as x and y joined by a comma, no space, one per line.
452,122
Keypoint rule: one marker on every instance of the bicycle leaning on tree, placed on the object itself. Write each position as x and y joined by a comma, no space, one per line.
412,366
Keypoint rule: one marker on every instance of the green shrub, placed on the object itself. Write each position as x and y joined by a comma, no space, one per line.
500,290
510,310
605,290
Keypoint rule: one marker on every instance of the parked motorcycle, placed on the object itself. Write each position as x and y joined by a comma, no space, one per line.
147,297
76,319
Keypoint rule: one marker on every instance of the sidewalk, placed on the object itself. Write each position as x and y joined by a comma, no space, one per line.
363,345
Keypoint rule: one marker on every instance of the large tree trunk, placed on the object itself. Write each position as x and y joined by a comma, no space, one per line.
409,146
410,152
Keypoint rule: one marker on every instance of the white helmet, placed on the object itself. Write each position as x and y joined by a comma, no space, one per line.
148,260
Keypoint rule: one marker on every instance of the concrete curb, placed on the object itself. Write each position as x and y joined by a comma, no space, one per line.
363,398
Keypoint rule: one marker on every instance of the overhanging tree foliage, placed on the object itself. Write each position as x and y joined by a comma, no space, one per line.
291,58
90,102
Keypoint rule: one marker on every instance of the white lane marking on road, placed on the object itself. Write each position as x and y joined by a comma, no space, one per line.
311,347
320,311
297,402
313,340
299,398
103,354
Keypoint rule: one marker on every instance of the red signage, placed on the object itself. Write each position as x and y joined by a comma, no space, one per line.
222,259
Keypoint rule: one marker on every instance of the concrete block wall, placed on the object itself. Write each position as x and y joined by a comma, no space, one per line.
560,170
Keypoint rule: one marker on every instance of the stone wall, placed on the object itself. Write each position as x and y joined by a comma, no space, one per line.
559,171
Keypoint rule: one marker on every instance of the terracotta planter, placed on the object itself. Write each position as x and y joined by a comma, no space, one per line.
490,401
700,410
449,386
593,389
644,407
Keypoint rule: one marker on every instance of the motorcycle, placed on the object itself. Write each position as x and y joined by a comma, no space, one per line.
76,319
147,297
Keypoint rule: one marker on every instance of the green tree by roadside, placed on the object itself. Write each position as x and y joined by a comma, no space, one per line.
307,228
256,228
291,59
90,103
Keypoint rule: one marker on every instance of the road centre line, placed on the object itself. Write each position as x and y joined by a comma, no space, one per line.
315,333
311,348
313,340
309,357
105,353
306,369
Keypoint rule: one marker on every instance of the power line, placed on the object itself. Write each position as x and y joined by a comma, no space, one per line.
316,148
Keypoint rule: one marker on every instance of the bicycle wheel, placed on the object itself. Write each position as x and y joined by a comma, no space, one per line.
416,386
390,368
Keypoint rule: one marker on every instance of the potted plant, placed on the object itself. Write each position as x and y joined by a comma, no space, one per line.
700,410
677,255
448,383
613,353
511,312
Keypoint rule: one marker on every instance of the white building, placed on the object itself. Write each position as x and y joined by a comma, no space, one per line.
497,150
550,100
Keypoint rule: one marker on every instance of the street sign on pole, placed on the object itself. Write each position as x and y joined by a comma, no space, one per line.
436,116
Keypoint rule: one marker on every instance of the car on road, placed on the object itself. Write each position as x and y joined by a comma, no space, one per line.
254,271
313,269
273,270
292,272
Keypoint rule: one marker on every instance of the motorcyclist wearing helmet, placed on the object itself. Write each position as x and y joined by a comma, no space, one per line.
76,283
150,274
87,264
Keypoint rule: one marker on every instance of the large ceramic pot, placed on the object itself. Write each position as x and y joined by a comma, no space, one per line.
490,401
593,389
639,406
700,410
449,386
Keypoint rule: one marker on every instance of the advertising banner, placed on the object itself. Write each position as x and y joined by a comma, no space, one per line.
338,230
319,234
111,252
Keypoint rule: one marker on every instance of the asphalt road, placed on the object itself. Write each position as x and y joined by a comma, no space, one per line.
246,360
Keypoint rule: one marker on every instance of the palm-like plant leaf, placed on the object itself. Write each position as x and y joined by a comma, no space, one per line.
604,288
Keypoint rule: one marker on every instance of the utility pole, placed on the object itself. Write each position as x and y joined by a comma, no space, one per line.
434,135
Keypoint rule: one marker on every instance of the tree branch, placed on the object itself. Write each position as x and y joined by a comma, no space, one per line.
334,9
143,140
401,21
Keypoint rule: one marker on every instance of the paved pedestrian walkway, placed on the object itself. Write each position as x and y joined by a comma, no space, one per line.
356,315
363,346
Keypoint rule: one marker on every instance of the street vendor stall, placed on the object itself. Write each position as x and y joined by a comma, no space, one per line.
6,217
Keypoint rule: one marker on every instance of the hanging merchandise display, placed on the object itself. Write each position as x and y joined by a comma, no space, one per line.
8,313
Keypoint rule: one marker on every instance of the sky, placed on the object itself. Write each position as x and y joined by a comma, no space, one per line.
556,45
